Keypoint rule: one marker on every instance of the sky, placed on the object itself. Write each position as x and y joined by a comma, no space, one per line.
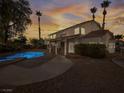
60,14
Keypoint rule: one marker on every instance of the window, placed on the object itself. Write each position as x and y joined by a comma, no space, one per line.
82,31
93,43
101,43
54,36
77,31
63,34
50,36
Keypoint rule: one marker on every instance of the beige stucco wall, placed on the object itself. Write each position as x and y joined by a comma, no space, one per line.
106,39
91,40
67,32
100,40
90,26
111,47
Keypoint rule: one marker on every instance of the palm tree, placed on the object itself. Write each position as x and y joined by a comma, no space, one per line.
93,11
39,14
104,5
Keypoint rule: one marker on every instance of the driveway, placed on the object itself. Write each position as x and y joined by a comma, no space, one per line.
86,76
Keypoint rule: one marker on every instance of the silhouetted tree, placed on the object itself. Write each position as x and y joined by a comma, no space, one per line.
14,17
1,36
22,39
118,37
93,11
37,42
104,5
39,14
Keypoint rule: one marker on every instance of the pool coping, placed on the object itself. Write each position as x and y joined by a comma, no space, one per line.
6,63
9,62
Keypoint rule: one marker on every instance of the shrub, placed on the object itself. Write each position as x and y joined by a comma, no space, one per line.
37,43
4,48
91,50
27,46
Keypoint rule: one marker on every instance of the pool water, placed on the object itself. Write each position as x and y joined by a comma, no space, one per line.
27,55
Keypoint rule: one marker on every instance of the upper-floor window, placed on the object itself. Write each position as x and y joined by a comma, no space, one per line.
63,34
53,36
93,42
50,36
77,31
83,31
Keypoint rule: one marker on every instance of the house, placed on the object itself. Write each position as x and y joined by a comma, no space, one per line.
63,42
119,45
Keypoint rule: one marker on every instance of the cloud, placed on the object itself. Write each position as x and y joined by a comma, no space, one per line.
64,13
44,20
117,4
119,21
76,9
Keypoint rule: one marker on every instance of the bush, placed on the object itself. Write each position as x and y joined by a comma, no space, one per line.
37,43
4,48
27,46
91,50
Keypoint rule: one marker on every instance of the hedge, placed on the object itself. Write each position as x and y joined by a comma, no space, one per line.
5,49
91,50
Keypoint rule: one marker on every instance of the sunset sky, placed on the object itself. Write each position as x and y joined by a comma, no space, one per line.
59,14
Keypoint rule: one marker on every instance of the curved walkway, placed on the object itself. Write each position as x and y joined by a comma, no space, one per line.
15,75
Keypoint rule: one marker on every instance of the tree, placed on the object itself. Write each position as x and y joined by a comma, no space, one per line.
1,36
37,42
93,11
104,5
22,39
39,14
14,17
118,37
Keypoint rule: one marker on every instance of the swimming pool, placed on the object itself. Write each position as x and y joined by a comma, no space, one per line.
27,55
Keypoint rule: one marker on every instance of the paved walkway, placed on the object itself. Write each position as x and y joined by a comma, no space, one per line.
119,61
16,75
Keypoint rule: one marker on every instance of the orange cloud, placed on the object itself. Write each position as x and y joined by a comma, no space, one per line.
76,9
55,16
32,31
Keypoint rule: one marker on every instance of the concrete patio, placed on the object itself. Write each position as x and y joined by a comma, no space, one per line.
86,76
15,75
119,61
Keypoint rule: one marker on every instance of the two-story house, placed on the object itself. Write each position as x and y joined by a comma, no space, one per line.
63,42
